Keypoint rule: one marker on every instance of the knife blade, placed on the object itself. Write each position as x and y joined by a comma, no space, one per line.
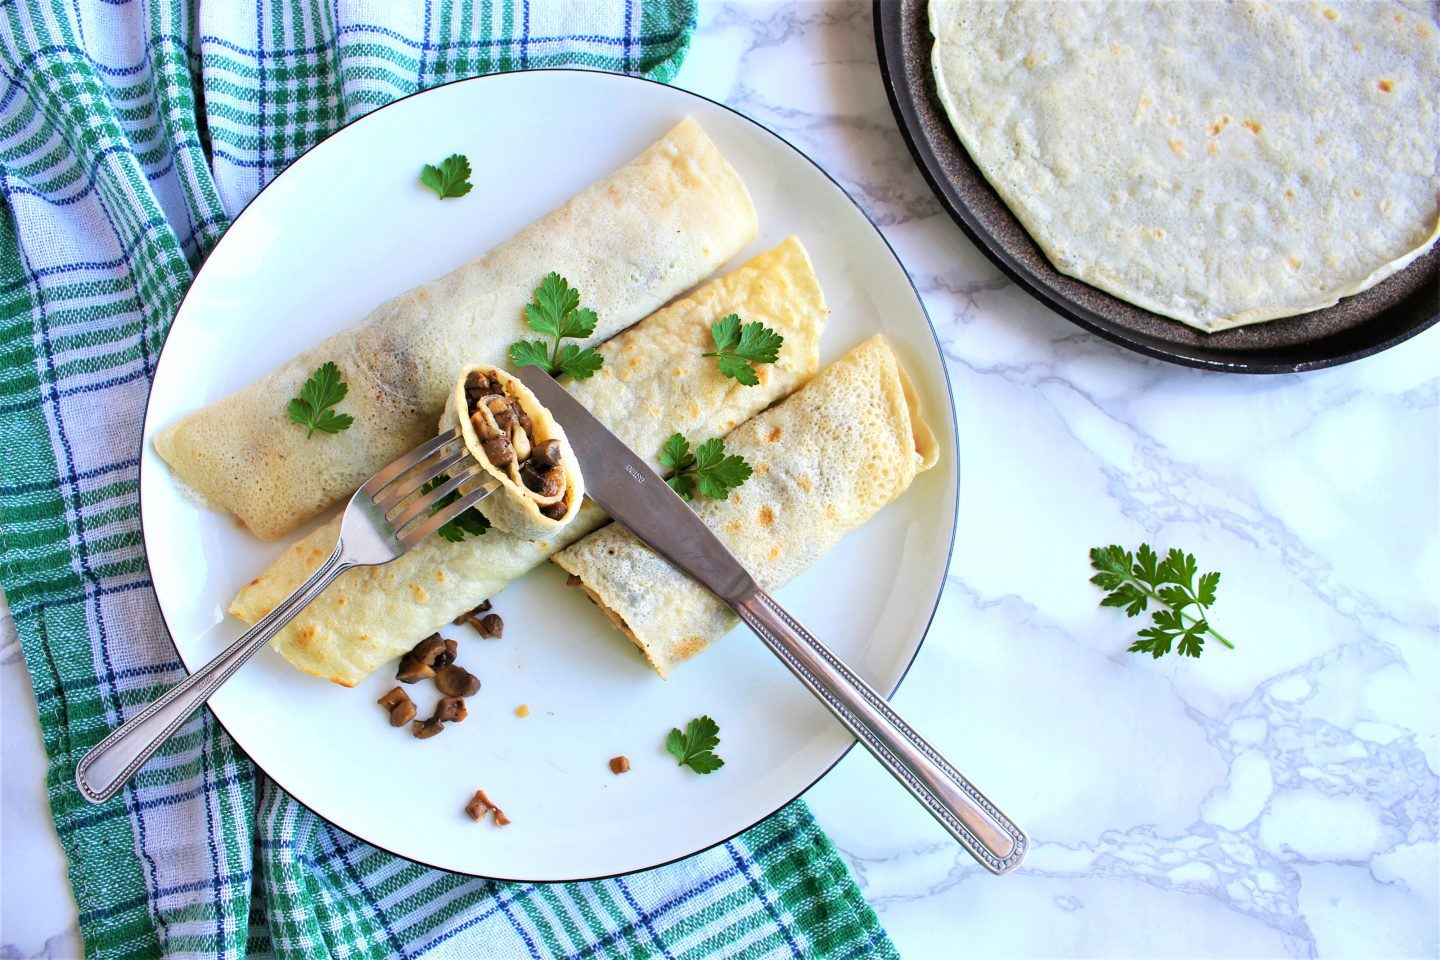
625,486
634,495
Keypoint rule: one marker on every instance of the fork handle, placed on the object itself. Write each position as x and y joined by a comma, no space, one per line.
113,761
986,832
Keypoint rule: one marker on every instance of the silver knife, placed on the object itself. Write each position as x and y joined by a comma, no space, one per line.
634,495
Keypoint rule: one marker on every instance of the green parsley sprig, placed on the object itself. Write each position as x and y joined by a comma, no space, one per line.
1135,580
470,523
739,346
313,409
556,312
695,747
450,179
707,470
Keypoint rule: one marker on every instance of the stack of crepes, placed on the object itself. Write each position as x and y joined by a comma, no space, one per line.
828,451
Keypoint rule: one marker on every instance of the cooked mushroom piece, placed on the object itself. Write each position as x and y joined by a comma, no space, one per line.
425,729
400,706
555,511
420,662
491,625
499,451
546,453
475,387
502,410
428,649
478,806
473,617
447,656
412,669
455,681
450,710
545,481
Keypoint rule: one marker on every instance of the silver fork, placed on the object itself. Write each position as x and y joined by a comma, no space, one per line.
383,520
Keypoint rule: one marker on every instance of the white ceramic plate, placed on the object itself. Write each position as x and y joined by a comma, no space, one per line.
348,225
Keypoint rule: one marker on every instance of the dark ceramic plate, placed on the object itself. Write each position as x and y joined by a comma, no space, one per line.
1393,310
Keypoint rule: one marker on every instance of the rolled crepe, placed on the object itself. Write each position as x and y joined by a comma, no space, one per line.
518,444
628,243
825,461
653,383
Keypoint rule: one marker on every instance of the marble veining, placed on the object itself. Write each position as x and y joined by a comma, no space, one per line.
1277,800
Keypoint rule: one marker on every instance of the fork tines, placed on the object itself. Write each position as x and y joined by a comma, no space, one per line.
393,489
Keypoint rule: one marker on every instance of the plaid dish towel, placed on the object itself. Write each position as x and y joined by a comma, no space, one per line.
130,132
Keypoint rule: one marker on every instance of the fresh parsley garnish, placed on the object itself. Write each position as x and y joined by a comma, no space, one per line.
312,409
738,346
708,469
470,523
1135,580
556,312
450,179
694,748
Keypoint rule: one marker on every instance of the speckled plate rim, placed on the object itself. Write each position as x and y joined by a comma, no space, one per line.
1387,314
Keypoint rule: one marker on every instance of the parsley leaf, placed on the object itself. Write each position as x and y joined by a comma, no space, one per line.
694,748
450,179
470,523
1133,580
312,409
577,363
738,346
675,453
530,353
556,312
708,469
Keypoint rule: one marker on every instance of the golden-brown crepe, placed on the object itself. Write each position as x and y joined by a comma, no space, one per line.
825,461
628,243
518,444
654,382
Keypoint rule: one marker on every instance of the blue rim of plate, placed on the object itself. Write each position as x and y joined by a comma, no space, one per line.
954,420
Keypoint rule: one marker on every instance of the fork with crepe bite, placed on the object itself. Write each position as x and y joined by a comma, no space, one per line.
495,438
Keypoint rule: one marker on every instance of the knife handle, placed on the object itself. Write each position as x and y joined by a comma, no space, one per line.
983,829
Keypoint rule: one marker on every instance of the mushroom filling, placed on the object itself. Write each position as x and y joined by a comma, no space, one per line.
507,438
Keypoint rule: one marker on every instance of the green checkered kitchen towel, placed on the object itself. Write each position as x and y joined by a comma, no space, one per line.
130,132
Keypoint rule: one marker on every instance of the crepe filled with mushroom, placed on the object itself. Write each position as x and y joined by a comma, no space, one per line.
631,241
655,380
519,445
825,461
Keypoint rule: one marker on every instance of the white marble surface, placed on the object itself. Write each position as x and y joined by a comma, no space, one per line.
1272,801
